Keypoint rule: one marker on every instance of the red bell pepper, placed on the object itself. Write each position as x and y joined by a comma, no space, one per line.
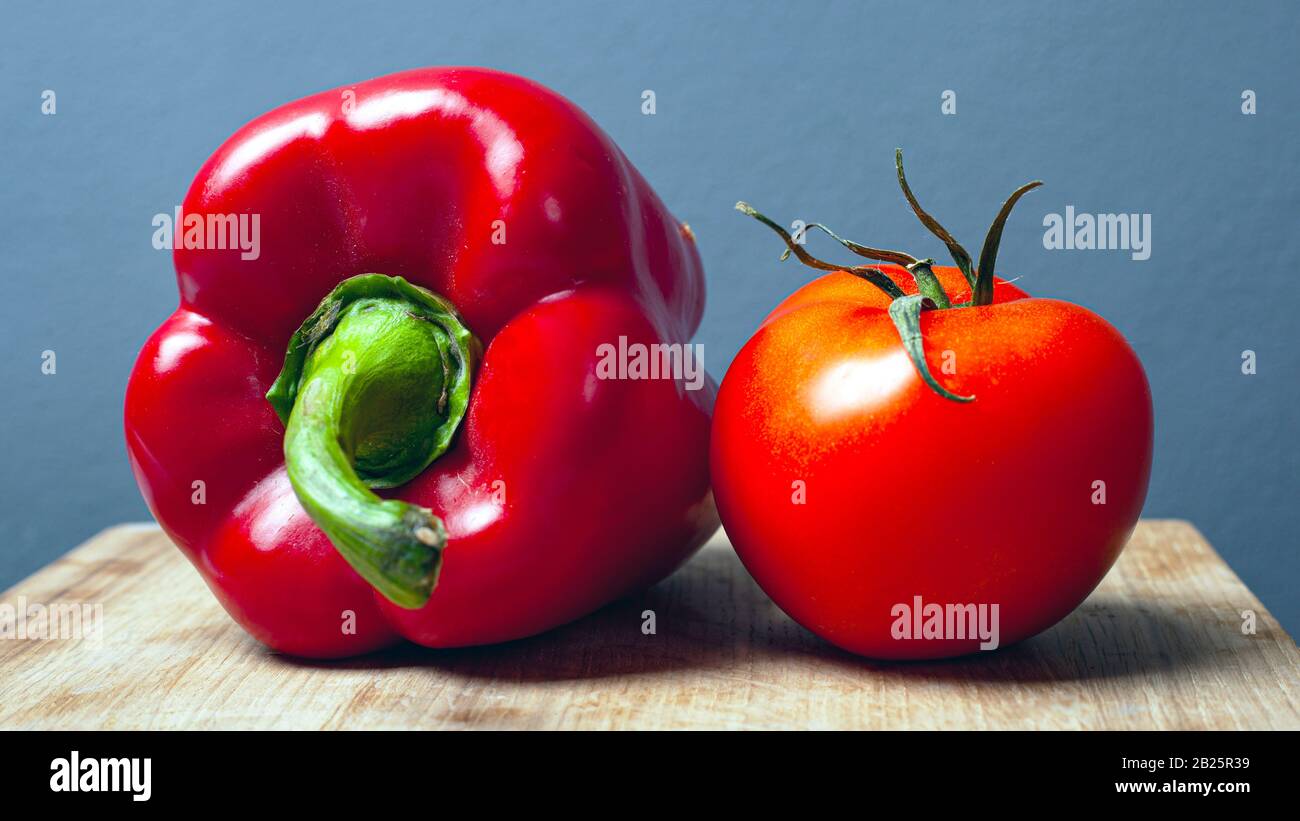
503,240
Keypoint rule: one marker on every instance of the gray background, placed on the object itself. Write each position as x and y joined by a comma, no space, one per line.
1125,107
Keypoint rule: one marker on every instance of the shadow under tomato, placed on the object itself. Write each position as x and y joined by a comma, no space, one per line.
1106,638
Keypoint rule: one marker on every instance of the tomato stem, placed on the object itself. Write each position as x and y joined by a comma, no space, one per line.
878,254
869,273
905,310
982,293
958,253
906,315
926,282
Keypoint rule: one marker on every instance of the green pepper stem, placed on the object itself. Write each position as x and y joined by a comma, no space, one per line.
375,384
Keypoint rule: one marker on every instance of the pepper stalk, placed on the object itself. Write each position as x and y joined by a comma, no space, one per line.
375,383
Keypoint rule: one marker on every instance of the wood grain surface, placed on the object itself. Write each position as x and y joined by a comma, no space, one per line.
1159,645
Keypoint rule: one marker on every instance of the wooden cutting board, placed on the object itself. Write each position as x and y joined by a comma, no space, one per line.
1159,645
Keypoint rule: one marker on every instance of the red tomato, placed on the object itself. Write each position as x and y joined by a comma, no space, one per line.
850,488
